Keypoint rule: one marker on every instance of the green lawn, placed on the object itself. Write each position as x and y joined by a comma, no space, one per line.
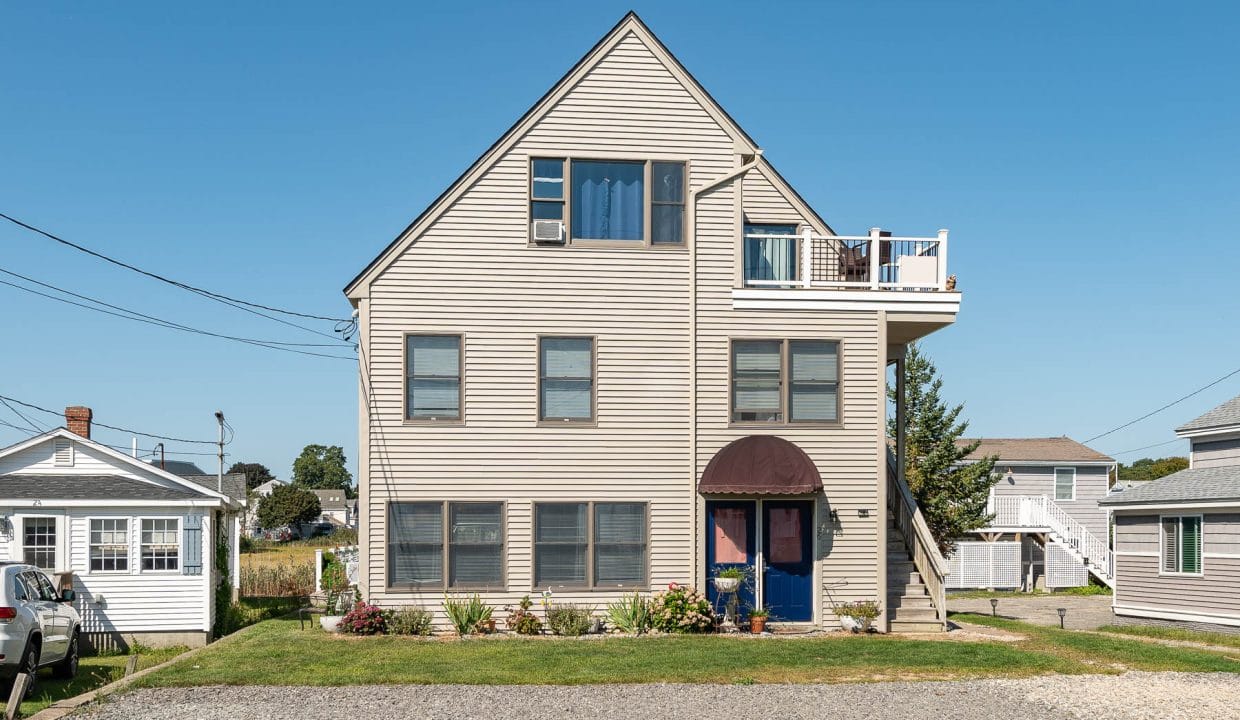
1166,633
275,652
93,672
1084,590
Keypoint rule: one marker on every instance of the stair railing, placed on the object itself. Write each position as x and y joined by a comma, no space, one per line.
930,563
1095,553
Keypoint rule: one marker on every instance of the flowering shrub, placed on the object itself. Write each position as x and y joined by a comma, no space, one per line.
364,619
408,621
861,609
521,620
681,609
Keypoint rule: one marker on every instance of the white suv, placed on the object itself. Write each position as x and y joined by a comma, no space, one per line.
38,627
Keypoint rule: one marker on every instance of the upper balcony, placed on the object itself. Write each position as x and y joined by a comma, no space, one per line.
861,272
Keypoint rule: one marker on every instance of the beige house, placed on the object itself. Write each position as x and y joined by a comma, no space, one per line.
621,351
1177,538
1048,529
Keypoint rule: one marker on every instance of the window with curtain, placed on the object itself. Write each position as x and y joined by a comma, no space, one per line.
415,543
608,200
161,544
109,545
667,203
566,379
619,544
561,544
814,386
756,380
1065,483
475,544
1181,544
770,258
433,381
39,542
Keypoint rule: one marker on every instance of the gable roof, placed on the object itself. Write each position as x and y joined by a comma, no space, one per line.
630,23
1053,449
234,484
86,487
331,499
119,457
179,467
1225,415
1193,485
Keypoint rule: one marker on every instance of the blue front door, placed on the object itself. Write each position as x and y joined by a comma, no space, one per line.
730,542
788,567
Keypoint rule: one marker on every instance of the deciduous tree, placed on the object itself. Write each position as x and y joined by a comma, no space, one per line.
255,473
287,505
322,467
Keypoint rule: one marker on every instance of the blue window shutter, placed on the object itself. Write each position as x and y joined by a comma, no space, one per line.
191,546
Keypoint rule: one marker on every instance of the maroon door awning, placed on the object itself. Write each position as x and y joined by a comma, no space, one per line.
760,465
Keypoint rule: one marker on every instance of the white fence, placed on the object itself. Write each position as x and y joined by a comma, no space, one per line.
1041,513
984,565
1062,569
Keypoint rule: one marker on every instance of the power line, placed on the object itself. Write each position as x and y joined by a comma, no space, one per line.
32,406
19,414
1164,407
161,278
1147,447
143,451
136,316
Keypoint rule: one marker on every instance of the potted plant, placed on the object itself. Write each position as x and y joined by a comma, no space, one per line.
857,616
729,579
336,588
757,620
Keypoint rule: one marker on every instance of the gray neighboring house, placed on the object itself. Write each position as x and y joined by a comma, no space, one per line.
1049,530
336,508
1177,539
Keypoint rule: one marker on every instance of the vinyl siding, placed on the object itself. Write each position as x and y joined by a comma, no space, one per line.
1140,584
473,272
1091,486
1216,453
38,460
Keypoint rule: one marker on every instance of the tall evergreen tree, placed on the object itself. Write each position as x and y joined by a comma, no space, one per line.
951,492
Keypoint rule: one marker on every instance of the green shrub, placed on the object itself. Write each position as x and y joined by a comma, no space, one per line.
521,620
681,609
466,614
409,621
630,614
569,620
364,619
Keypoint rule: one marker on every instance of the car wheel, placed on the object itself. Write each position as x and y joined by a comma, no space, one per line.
30,666
67,668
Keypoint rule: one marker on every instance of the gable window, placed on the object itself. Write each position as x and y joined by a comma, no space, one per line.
433,368
1065,483
161,544
590,545
628,202
566,379
39,542
1181,544
770,256
109,545
471,548
778,381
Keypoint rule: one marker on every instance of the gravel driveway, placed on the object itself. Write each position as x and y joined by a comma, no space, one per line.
1085,612
1090,697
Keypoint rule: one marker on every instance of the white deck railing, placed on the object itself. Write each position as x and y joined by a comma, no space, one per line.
1038,512
871,261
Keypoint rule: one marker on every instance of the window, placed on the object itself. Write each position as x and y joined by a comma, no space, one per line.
1181,544
590,545
39,542
607,200
760,393
1065,483
472,550
566,379
109,545
161,544
547,189
772,259
35,586
433,377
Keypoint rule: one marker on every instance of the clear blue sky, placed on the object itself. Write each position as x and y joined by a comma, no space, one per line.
1084,156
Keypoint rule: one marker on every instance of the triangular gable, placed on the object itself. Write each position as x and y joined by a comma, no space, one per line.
629,24
141,468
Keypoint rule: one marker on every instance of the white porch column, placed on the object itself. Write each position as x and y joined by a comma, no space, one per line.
875,255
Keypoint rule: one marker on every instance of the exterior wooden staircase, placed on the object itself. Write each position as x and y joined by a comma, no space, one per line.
916,570
909,603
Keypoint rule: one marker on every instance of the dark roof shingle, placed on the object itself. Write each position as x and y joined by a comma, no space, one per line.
1194,484
1224,415
1054,449
86,487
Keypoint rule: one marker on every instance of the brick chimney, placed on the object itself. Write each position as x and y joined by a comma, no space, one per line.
77,420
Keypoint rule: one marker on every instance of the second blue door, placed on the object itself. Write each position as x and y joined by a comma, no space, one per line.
788,567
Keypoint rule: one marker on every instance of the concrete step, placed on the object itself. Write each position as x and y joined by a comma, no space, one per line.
902,603
915,626
910,613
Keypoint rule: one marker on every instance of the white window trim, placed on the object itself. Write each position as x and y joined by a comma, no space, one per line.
129,530
1162,543
18,543
180,536
1055,481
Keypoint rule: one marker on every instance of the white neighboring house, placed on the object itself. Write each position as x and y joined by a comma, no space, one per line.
134,540
336,508
251,512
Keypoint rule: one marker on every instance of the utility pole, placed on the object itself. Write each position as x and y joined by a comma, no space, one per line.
219,478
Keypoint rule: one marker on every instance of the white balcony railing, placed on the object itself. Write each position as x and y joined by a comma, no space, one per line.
1038,512
873,262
